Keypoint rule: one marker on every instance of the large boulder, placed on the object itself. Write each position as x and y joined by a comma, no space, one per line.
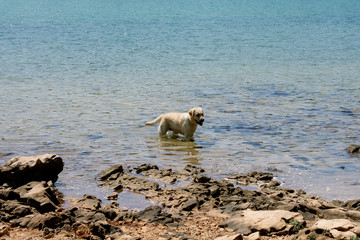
21,170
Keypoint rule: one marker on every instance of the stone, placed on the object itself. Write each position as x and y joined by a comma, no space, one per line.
149,213
39,195
21,170
354,204
342,235
253,236
4,230
338,224
275,221
8,193
189,205
201,179
230,237
145,167
131,183
353,148
192,170
88,202
338,228
113,170
83,231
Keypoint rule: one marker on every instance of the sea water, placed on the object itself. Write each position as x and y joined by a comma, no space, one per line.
279,82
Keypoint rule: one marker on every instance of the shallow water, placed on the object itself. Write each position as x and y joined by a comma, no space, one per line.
279,85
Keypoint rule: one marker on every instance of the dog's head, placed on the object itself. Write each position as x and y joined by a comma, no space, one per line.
197,115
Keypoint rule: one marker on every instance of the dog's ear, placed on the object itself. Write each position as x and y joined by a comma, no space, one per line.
191,112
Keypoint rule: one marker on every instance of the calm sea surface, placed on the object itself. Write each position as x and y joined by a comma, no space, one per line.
279,82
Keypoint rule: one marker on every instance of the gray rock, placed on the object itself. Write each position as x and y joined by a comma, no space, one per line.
189,205
21,170
113,170
149,213
38,195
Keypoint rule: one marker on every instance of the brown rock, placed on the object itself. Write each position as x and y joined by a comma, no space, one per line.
21,170
353,148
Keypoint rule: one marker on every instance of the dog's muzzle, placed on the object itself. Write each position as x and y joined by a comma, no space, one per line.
200,122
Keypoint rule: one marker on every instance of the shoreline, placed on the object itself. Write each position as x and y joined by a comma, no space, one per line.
187,205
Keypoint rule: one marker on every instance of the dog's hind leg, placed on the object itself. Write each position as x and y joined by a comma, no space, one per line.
163,128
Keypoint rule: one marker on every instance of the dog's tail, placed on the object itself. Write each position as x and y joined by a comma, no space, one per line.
155,121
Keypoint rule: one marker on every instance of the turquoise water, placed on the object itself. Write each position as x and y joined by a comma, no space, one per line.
278,81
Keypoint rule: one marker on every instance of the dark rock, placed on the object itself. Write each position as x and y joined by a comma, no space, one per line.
201,179
131,183
21,170
51,220
113,170
192,170
145,167
149,213
111,210
353,204
39,195
189,205
353,148
8,193
261,175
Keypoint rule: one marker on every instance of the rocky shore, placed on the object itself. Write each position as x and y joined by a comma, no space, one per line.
187,204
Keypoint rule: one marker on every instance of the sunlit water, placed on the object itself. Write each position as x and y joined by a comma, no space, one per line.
279,83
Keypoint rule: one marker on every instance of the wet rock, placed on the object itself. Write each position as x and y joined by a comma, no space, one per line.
145,167
131,183
353,149
163,175
111,173
112,196
192,170
261,176
201,179
21,170
265,222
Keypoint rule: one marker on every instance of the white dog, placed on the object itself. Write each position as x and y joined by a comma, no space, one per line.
183,123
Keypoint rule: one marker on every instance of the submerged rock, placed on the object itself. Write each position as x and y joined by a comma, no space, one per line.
353,148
